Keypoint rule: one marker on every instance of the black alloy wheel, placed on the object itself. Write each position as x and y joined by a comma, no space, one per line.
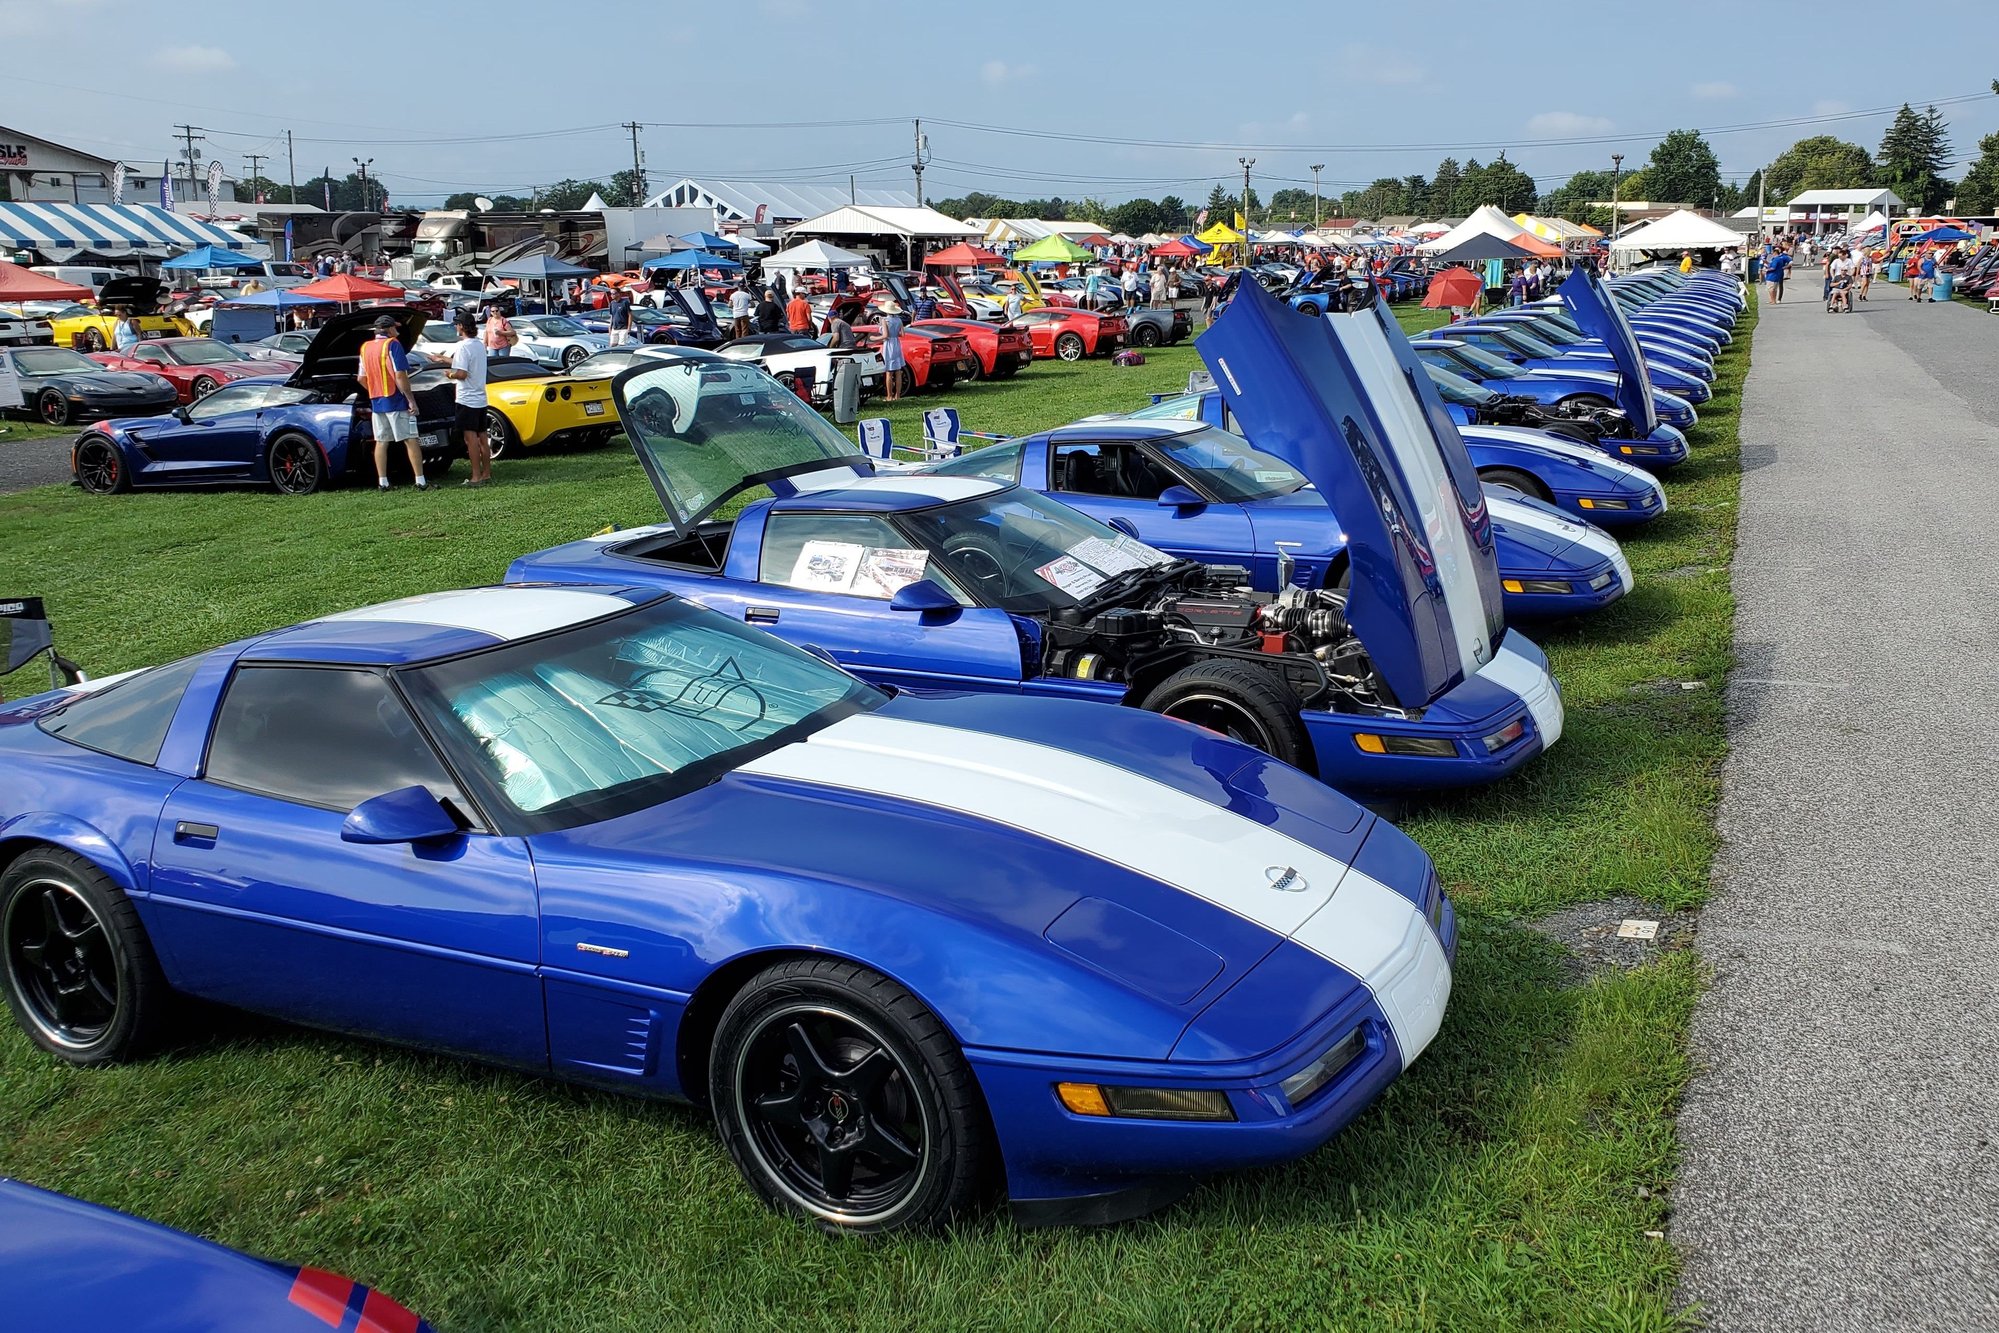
842,1098
296,466
573,355
100,468
1146,335
203,386
77,970
1309,309
52,407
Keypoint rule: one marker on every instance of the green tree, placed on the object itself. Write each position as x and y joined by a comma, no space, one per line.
1577,199
1173,214
1415,195
1913,155
1821,162
1503,185
1135,217
1444,189
248,188
568,194
625,190
1220,204
1683,170
1291,205
1979,190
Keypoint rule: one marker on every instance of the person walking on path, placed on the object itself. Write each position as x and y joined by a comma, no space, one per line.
894,366
1865,276
741,303
467,372
1924,288
798,314
1774,271
621,318
385,378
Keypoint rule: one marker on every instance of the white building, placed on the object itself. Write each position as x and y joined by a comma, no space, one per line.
763,202
37,170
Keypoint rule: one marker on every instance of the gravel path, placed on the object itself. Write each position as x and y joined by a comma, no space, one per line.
29,463
1841,1146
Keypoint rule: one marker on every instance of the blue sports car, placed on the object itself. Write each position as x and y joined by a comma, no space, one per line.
898,944
1542,322
1569,467
1201,493
65,1263
1407,679
1512,341
295,434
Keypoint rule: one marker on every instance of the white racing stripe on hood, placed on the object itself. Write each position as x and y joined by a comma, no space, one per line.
1127,819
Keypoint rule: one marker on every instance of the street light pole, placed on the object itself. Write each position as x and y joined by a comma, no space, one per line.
1247,163
364,181
1616,180
1317,167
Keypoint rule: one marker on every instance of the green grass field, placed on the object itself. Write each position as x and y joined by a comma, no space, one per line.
1507,1182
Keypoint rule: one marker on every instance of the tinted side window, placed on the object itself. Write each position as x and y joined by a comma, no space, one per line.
128,719
998,462
330,738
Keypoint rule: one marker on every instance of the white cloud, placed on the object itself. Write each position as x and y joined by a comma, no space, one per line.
997,73
1368,64
1718,91
1829,106
1564,124
195,59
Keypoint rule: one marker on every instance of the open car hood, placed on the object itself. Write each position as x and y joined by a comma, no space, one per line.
1343,399
706,429
335,349
1591,305
142,294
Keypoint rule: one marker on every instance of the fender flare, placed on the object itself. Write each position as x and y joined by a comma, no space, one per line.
71,834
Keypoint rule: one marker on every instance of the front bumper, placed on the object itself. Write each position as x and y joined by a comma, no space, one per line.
1591,587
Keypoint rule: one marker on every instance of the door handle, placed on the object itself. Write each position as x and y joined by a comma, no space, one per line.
761,615
187,832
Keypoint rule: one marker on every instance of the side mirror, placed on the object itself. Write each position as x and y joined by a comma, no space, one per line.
1124,525
1181,498
927,598
180,415
407,814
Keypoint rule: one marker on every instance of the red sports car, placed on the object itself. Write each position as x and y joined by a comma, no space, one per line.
937,358
196,366
1000,349
1072,334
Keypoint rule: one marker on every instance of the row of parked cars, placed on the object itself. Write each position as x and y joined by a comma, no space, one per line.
1063,735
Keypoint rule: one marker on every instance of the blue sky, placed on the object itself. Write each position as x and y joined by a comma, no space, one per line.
493,96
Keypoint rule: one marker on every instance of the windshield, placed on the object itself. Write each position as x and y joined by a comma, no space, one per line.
1024,552
1550,332
557,326
708,429
1484,362
1457,389
52,360
1522,341
1228,465
624,713
203,352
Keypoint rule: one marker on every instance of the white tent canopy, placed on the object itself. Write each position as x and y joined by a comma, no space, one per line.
749,245
1485,221
816,254
913,223
1875,221
1680,230
595,203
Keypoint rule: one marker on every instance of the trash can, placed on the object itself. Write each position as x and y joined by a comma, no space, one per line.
1756,268
1940,290
1894,271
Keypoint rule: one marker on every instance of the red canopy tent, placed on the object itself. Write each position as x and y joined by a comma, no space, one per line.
1454,288
347,289
963,255
1175,249
18,284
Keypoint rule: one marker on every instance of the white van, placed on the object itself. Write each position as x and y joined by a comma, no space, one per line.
92,276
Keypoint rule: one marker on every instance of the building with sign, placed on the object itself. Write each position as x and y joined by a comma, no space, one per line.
38,170
777,206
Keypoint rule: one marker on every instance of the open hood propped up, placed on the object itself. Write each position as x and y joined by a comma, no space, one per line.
335,349
142,294
1343,399
1593,308
707,429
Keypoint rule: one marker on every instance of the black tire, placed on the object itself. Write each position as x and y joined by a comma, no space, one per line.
1240,700
500,437
93,340
1308,309
99,467
1146,335
295,465
1514,479
971,372
573,355
788,380
1069,347
436,467
78,972
843,1099
203,386
52,408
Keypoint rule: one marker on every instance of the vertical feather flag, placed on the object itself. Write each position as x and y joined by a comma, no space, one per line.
166,188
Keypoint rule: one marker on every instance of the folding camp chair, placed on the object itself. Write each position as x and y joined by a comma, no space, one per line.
25,635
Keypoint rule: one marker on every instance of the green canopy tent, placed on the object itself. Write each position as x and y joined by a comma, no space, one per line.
1052,249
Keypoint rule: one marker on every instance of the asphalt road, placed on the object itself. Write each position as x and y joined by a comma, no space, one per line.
29,463
1841,1144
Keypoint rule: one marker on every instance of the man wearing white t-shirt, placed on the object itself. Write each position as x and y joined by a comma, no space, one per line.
468,374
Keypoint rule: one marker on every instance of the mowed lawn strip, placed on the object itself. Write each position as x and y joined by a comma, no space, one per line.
1496,1186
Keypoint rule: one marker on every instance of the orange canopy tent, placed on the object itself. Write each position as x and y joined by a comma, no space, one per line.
18,284
347,288
1535,246
963,255
1454,289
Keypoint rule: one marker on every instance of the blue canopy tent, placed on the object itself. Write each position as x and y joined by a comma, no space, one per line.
543,268
207,257
245,319
709,241
1199,245
1942,234
682,260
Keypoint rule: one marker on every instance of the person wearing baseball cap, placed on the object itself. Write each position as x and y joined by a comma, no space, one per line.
385,378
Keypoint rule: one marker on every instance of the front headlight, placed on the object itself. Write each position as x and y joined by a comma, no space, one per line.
1432,747
1301,1085
1104,1100
1537,585
1587,503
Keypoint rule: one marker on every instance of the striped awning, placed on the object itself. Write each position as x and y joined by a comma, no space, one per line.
61,231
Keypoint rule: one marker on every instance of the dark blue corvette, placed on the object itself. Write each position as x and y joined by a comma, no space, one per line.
898,944
295,434
65,1263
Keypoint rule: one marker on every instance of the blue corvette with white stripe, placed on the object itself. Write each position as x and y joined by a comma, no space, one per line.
898,944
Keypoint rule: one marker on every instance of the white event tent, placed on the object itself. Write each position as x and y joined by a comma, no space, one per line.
1680,230
815,254
1485,221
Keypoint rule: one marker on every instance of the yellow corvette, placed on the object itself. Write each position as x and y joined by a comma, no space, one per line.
93,330
527,405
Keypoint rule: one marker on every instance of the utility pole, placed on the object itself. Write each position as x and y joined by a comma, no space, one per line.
1247,163
1317,167
363,166
192,155
638,166
916,165
1616,180
1759,203
255,174
291,162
